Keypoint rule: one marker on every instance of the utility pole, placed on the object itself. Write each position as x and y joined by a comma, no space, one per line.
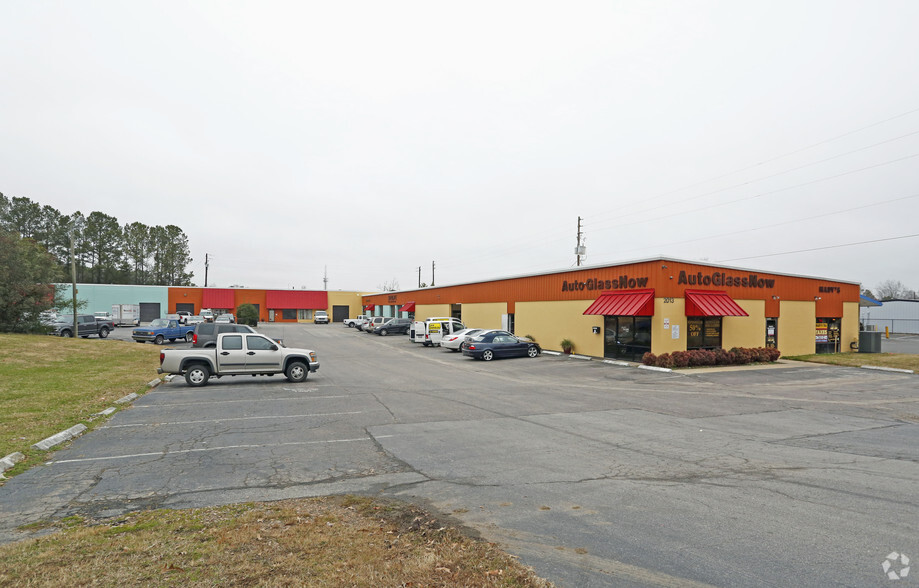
206,265
419,276
73,283
432,274
578,250
325,278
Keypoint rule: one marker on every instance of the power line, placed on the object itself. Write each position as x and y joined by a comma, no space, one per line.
821,248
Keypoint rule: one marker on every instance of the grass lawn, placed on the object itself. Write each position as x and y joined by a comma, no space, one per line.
890,360
337,541
49,384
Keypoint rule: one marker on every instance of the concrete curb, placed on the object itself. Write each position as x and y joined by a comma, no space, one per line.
654,368
9,461
886,369
126,399
74,431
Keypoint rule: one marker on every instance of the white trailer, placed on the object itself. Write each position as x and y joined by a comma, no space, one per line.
126,315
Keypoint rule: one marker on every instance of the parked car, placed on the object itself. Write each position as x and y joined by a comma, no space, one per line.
374,322
161,329
364,323
492,344
237,354
353,322
454,341
205,334
396,325
86,325
321,317
225,318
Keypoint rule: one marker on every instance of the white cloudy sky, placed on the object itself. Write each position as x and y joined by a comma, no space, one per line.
372,138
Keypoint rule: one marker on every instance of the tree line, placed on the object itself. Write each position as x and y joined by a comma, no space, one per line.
106,252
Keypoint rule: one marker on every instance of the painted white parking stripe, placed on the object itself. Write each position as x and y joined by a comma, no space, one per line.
286,416
202,449
212,402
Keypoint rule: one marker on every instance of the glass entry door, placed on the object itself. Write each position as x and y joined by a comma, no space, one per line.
626,337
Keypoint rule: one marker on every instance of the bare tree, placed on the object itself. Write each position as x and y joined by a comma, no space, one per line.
390,286
890,289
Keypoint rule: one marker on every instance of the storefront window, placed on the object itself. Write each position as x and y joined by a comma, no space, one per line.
703,332
627,337
289,314
304,314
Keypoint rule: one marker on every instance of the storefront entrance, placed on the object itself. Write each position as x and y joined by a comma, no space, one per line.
626,337
827,337
772,333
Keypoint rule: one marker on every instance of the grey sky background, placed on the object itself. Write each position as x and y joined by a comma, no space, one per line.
373,138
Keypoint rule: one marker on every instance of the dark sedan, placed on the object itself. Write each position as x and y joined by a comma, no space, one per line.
492,344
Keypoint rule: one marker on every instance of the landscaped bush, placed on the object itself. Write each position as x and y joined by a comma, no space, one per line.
704,357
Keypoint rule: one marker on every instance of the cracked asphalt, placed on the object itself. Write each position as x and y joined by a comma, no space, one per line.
595,475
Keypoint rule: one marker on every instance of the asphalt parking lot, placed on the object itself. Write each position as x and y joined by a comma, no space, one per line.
594,474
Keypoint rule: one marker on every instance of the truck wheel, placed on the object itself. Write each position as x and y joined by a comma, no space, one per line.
103,333
66,334
297,372
197,375
158,340
189,337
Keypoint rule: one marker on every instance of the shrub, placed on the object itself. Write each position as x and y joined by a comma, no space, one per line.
649,358
680,358
247,314
567,345
664,360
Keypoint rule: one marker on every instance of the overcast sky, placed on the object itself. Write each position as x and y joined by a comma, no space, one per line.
372,138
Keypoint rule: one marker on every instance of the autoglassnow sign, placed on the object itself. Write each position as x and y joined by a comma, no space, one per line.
723,279
620,283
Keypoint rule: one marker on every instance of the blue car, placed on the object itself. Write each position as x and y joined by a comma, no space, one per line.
492,344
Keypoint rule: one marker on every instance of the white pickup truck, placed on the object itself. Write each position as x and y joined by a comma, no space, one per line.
239,354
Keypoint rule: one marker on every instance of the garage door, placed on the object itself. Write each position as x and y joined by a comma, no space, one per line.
340,313
186,306
149,311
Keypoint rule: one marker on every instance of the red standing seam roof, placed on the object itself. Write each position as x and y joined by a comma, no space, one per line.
296,299
711,303
218,298
624,303
408,307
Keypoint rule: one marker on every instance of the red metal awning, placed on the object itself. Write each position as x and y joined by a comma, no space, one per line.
297,299
624,303
370,307
224,298
711,303
408,307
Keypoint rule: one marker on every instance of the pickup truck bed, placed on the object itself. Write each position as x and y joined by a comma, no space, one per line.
239,354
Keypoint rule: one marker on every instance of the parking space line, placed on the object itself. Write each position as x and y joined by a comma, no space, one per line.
210,403
286,416
203,449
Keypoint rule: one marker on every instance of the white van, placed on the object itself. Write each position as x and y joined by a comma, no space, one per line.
419,329
435,329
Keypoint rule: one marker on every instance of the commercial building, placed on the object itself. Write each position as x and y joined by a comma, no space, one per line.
896,316
659,305
272,305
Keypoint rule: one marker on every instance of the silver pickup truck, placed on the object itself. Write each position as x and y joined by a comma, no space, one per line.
239,354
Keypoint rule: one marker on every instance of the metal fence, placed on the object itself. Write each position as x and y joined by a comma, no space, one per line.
901,326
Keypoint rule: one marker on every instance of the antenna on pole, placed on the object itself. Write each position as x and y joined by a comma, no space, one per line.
580,250
325,278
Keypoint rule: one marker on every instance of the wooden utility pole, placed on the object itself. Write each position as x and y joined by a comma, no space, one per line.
577,249
432,274
73,283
